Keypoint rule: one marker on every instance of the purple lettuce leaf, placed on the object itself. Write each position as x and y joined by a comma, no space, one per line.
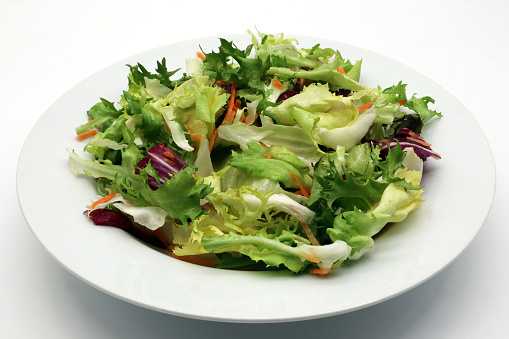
164,161
102,217
406,138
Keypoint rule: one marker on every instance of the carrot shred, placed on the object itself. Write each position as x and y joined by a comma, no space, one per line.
341,70
231,104
310,234
267,156
402,102
229,116
87,134
103,200
319,271
278,84
200,55
90,118
304,191
364,107
264,145
169,155
212,140
309,256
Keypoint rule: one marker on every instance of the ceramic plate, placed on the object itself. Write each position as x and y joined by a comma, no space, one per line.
407,254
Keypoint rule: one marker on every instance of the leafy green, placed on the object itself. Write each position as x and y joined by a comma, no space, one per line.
253,162
419,105
179,197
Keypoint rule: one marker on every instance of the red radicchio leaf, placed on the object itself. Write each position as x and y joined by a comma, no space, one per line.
119,220
407,138
164,161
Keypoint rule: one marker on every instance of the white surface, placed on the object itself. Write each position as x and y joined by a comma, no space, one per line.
405,255
48,47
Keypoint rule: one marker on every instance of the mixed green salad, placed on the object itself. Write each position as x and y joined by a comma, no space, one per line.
270,157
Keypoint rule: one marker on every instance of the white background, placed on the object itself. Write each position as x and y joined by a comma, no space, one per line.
46,47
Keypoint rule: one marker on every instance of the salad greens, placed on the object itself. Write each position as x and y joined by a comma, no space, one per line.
271,157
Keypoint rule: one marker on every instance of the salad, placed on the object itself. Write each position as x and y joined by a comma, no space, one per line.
270,157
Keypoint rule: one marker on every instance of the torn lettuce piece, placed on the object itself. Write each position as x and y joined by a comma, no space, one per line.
295,139
314,98
357,228
285,249
257,162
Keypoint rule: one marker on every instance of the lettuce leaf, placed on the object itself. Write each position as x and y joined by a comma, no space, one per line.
179,197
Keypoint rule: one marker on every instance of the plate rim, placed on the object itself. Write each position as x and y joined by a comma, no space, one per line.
19,189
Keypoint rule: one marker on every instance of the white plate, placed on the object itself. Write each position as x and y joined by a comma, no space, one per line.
459,191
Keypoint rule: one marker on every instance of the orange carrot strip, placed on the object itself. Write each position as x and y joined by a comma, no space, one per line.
196,137
229,116
319,271
169,155
310,234
231,103
264,145
200,55
212,140
90,118
87,134
267,156
276,83
103,200
304,191
402,102
364,107
309,257
341,70
223,83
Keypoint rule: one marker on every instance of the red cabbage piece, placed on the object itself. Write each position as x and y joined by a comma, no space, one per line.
119,220
287,94
164,161
407,138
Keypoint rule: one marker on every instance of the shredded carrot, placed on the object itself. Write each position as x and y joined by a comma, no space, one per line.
223,83
264,145
231,103
319,271
169,155
419,141
309,256
276,83
196,137
402,102
87,134
266,155
364,107
229,116
200,55
294,177
103,200
212,140
310,234
341,70
306,192
90,118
